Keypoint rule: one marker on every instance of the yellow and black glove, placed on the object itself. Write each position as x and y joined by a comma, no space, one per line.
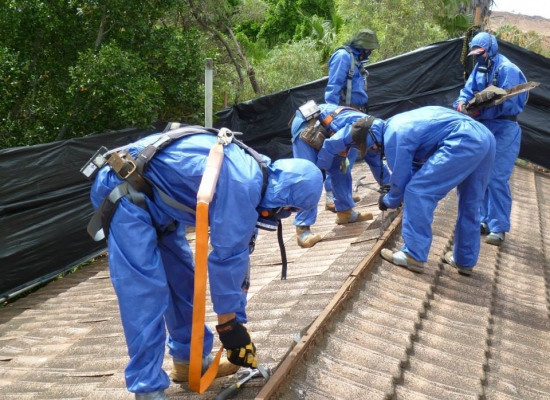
238,344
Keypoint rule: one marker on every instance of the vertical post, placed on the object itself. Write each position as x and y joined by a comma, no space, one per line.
208,90
478,20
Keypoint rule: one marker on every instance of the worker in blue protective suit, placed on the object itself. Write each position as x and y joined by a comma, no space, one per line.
347,85
334,125
495,69
151,262
430,151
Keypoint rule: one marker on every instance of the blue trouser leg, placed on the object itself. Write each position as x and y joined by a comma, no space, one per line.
305,151
470,195
177,258
497,204
341,185
141,287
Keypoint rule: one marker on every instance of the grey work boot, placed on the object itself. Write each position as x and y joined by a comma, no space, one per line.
350,216
449,259
495,238
305,237
180,368
402,259
156,395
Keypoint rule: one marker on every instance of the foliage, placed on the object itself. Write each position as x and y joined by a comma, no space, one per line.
111,89
286,18
531,41
73,67
289,65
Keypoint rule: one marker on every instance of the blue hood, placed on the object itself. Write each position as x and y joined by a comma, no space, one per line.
293,182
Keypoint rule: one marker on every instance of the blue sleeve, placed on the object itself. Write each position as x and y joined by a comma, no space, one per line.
233,218
376,166
509,76
401,161
467,92
338,68
331,147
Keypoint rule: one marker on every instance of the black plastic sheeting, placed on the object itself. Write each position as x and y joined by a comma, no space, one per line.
432,75
44,199
45,208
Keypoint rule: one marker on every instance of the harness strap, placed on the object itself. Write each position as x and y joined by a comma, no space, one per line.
98,227
329,118
137,186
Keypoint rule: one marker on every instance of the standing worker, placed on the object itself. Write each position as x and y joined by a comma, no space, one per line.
430,151
151,262
495,69
347,85
332,127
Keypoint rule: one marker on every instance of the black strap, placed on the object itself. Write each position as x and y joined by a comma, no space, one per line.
98,227
508,117
283,250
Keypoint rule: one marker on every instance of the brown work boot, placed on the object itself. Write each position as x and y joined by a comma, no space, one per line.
350,216
402,259
180,372
330,207
305,238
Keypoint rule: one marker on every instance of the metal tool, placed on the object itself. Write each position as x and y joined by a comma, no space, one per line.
243,376
359,183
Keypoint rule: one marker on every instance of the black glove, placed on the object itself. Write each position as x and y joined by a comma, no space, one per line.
381,205
236,340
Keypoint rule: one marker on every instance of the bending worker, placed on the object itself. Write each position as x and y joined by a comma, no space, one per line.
332,126
151,262
495,69
347,85
430,151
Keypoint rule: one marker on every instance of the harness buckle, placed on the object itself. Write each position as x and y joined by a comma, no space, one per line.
225,136
123,164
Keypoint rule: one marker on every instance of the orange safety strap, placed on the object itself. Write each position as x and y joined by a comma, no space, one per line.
199,383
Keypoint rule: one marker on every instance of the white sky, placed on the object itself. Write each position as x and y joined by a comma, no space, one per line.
525,7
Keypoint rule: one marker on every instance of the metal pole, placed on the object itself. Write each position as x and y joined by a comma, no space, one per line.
208,90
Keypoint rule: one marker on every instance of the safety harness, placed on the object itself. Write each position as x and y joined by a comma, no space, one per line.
362,70
135,186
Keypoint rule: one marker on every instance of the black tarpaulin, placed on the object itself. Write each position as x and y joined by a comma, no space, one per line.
45,208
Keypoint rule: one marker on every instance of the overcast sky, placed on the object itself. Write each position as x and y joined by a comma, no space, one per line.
525,7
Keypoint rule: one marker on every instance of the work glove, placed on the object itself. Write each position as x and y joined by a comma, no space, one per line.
344,165
381,205
238,344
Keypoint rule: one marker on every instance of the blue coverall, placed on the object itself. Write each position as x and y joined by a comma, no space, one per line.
151,262
338,68
330,157
497,204
430,151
